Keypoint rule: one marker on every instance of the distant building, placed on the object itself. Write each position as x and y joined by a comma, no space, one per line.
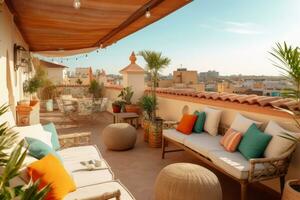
184,76
225,86
209,75
56,73
81,76
100,76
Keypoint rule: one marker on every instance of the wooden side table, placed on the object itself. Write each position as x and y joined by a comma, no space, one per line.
127,117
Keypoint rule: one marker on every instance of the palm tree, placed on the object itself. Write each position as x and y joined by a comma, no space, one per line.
155,64
288,61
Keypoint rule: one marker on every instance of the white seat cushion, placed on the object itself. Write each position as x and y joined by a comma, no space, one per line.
175,135
82,177
203,143
233,163
95,191
79,152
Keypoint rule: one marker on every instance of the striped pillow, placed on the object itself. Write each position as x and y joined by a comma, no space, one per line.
231,140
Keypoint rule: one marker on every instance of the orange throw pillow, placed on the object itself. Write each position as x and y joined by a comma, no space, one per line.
231,140
186,124
51,171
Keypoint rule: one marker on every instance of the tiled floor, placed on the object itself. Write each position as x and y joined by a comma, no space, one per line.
138,168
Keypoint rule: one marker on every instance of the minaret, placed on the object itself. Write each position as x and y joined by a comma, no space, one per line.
133,76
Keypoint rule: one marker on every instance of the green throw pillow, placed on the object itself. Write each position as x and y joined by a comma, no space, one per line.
54,136
39,149
199,124
254,143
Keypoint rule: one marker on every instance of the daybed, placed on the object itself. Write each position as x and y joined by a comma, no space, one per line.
90,185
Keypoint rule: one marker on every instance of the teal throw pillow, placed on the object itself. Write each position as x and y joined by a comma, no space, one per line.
199,124
254,143
54,136
39,149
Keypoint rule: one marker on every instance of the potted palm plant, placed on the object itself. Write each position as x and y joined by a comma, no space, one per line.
288,61
155,62
96,89
148,105
126,95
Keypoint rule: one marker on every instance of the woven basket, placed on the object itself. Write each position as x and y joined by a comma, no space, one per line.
146,124
289,193
155,134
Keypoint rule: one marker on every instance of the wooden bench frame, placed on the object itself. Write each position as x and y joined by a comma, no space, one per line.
273,167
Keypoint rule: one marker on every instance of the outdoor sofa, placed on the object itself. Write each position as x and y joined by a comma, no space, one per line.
208,149
90,185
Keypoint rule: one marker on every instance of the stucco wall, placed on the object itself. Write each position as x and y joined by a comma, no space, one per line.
112,95
10,80
137,82
172,109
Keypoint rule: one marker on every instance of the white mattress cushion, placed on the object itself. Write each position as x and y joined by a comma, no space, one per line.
278,145
233,163
203,143
174,135
95,191
242,124
82,177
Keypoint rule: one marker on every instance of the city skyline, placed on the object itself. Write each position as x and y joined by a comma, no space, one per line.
231,37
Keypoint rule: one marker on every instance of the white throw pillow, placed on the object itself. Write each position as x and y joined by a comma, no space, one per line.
278,145
212,120
241,123
34,131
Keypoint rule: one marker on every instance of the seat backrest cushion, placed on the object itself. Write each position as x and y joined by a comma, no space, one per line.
278,145
242,123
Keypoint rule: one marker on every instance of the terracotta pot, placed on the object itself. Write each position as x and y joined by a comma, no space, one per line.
116,108
290,192
132,108
155,134
146,124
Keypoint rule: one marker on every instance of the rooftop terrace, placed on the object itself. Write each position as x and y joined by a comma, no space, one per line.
139,167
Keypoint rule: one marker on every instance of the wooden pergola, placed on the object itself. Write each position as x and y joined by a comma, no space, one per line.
55,25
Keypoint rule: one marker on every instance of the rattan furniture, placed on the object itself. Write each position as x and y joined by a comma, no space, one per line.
258,169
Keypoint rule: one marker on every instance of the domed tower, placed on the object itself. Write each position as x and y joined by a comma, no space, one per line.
133,76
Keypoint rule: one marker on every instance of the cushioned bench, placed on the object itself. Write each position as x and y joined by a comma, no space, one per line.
208,149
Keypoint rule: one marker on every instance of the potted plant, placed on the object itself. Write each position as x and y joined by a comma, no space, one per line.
32,85
95,89
155,63
48,92
117,106
126,95
287,58
147,104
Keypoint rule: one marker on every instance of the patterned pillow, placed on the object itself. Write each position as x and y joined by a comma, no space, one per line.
231,140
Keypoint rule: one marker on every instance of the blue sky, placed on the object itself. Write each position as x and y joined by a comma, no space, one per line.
230,36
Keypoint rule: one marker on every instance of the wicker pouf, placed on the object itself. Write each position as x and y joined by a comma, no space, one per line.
119,136
187,181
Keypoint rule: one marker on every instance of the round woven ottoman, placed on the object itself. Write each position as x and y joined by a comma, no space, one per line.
182,181
119,136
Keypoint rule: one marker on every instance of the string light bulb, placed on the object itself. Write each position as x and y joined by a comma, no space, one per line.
148,13
86,56
76,4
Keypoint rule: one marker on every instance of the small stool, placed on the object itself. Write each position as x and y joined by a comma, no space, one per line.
187,181
119,136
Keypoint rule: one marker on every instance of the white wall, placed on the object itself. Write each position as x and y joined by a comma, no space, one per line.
137,82
9,80
56,75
